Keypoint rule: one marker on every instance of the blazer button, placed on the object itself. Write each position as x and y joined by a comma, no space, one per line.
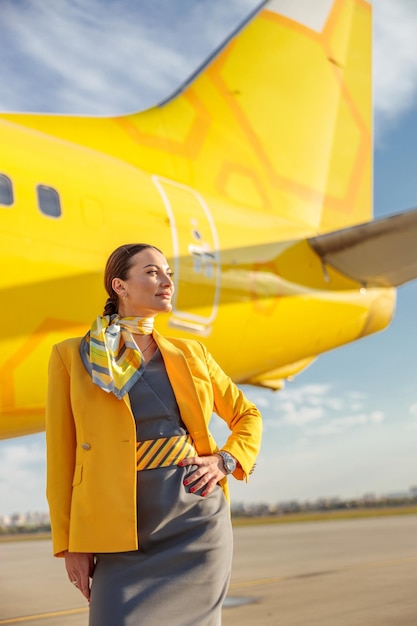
85,446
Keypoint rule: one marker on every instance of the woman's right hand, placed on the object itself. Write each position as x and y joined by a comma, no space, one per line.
80,566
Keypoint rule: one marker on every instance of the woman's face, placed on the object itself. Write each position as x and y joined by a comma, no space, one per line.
148,289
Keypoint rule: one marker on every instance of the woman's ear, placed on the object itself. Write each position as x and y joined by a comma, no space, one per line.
118,286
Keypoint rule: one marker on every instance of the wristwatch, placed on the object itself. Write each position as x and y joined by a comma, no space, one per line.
229,462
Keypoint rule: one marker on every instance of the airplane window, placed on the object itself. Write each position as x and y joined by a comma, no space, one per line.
48,201
6,190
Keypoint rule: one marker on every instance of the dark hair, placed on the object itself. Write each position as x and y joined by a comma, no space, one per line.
118,265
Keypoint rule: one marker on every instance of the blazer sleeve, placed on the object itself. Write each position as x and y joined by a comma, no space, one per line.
241,415
60,451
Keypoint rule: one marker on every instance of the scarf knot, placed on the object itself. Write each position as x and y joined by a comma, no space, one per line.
110,353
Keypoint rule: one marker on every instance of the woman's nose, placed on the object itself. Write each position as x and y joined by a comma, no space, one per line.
167,280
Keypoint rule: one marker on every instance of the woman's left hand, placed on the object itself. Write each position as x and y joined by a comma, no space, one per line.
80,566
210,470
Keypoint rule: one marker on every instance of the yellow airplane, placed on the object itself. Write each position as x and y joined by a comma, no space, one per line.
254,179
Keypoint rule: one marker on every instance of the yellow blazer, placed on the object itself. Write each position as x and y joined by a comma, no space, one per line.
91,442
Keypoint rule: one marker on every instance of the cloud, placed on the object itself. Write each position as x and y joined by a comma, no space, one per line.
395,60
413,409
412,425
22,475
297,405
307,392
304,415
341,424
73,57
356,406
330,409
356,395
259,397
376,417
307,403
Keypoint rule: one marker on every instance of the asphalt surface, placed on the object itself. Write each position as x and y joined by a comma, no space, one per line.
342,573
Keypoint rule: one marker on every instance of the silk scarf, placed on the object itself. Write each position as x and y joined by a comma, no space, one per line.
110,353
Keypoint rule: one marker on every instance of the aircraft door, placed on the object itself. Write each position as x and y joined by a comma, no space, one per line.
196,262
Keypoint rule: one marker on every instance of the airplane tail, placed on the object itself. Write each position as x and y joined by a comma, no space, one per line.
278,119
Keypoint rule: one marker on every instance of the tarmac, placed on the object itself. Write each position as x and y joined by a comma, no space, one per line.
359,572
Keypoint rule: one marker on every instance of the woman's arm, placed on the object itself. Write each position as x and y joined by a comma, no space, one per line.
245,422
242,417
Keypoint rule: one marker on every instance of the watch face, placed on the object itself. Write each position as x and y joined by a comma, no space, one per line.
229,462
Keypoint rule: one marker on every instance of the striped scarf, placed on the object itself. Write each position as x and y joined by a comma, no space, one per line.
110,353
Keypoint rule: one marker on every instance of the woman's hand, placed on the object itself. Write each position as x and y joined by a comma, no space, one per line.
210,470
80,566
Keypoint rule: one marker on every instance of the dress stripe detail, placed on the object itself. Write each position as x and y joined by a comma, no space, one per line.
163,452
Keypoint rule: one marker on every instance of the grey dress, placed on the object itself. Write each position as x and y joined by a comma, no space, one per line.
180,573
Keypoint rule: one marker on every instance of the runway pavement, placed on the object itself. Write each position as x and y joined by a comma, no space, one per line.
342,573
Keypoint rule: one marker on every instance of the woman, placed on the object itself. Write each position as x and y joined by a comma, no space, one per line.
136,485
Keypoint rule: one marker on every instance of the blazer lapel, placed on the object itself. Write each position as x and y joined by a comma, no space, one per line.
181,378
127,402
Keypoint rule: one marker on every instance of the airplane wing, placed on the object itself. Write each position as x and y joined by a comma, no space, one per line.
381,253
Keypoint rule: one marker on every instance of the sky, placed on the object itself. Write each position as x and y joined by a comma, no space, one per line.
346,426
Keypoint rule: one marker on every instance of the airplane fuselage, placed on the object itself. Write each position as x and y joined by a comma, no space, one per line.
247,283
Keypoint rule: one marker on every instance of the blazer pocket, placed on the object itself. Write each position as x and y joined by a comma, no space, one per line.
78,472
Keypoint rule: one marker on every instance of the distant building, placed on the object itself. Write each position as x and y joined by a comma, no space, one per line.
29,520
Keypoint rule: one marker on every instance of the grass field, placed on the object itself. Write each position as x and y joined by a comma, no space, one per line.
292,518
24,537
320,516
